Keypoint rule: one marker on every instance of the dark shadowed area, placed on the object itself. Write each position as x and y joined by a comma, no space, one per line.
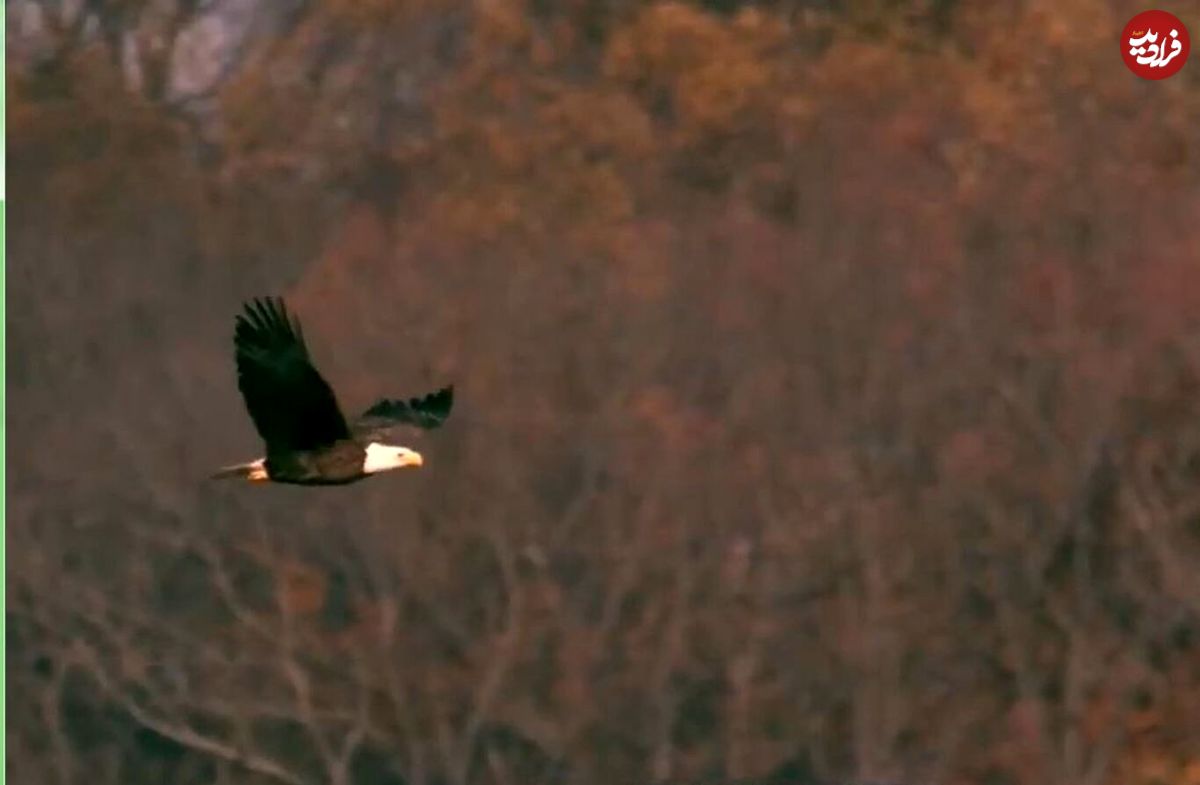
828,393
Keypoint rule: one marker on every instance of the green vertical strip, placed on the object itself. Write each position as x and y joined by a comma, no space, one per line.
3,392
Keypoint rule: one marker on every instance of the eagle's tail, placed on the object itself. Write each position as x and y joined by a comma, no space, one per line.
255,471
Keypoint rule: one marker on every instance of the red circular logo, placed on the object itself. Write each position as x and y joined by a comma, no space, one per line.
1155,44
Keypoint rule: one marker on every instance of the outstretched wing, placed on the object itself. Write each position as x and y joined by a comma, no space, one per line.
425,413
292,407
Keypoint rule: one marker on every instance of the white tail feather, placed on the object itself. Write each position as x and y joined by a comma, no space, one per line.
255,471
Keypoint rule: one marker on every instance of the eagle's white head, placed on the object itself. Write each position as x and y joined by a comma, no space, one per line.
385,457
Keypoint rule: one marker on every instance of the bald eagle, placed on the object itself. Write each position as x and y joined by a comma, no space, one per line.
308,440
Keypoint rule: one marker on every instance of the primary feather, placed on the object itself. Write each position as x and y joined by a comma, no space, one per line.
426,412
292,406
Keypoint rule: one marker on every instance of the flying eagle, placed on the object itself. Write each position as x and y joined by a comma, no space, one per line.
308,440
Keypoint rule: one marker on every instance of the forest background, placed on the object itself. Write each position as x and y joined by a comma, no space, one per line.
828,374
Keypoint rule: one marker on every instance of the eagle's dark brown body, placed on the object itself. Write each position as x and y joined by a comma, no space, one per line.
338,464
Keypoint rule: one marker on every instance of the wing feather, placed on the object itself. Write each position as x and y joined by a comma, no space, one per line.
427,412
291,405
